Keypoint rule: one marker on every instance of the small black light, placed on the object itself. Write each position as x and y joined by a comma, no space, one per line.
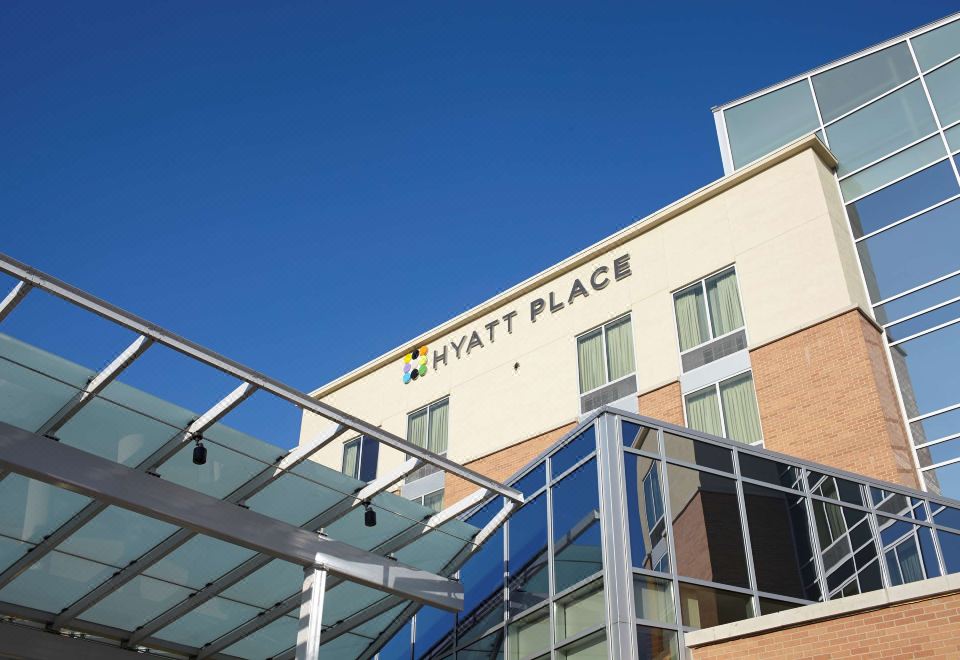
369,515
199,453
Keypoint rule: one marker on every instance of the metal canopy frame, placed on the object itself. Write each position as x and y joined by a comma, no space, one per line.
327,563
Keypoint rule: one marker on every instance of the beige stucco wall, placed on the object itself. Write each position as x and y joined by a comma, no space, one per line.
780,221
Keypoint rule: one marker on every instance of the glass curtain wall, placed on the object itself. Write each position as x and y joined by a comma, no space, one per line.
710,531
892,118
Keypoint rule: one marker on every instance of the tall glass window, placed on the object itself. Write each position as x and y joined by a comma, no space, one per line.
844,88
727,408
708,309
429,428
360,458
576,526
605,355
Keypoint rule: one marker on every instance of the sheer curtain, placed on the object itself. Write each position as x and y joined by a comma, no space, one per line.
620,349
417,428
740,409
438,428
703,413
909,560
590,352
691,317
350,454
724,300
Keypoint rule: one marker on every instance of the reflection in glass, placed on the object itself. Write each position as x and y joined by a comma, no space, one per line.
927,321
648,536
434,631
533,480
653,599
759,126
698,452
908,550
944,86
529,582
845,87
897,504
530,634
835,488
947,516
936,426
892,168
593,647
950,548
488,648
572,452
772,472
398,648
930,366
657,643
920,300
771,606
706,526
482,579
639,437
703,607
944,480
581,610
576,526
781,544
847,549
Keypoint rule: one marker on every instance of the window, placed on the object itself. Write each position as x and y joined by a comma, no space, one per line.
428,428
708,309
727,408
432,500
360,458
605,354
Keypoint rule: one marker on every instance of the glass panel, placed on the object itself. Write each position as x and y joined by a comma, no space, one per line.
919,300
32,509
619,349
639,437
739,403
370,452
648,535
894,503
294,500
581,610
351,458
434,629
533,481
772,472
691,312
225,469
950,548
529,582
937,45
434,501
835,488
724,299
56,581
703,411
137,602
417,428
482,579
947,516
944,480
844,88
757,127
706,526
697,451
911,195
268,585
656,643
28,399
771,606
910,160
653,599
593,647
906,555
437,438
11,550
216,617
117,536
488,648
953,138
703,607
272,639
576,527
944,86
911,253
880,128
590,359
37,360
781,544
199,561
575,450
400,645
530,634
923,322
929,370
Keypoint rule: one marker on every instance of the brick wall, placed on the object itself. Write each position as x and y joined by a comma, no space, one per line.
928,628
664,403
826,394
501,464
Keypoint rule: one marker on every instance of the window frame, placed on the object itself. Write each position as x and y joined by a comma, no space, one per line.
606,362
426,470
360,441
723,422
702,282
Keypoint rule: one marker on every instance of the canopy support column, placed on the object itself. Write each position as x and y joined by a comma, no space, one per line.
311,613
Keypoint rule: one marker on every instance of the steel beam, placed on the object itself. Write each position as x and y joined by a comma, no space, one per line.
311,614
13,298
46,460
113,313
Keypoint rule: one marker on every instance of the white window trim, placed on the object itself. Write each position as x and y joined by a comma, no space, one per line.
723,422
706,302
427,408
606,364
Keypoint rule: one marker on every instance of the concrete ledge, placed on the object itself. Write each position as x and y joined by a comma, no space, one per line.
808,614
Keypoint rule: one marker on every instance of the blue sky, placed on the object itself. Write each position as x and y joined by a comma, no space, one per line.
302,186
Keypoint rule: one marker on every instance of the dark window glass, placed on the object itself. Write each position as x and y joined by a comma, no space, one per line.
835,488
400,646
482,579
929,369
912,253
707,535
919,300
927,551
780,542
648,535
695,451
772,472
529,582
944,515
703,607
913,194
950,548
639,437
936,427
896,503
488,648
434,632
485,514
576,526
572,452
657,643
892,531
533,481
771,606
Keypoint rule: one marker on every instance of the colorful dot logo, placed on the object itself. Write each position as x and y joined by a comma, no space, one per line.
415,364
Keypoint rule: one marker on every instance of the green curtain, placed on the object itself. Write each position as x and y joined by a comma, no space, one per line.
620,349
740,409
438,428
703,413
590,352
724,301
691,317
417,428
351,452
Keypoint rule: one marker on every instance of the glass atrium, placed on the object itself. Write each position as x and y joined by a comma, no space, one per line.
891,116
